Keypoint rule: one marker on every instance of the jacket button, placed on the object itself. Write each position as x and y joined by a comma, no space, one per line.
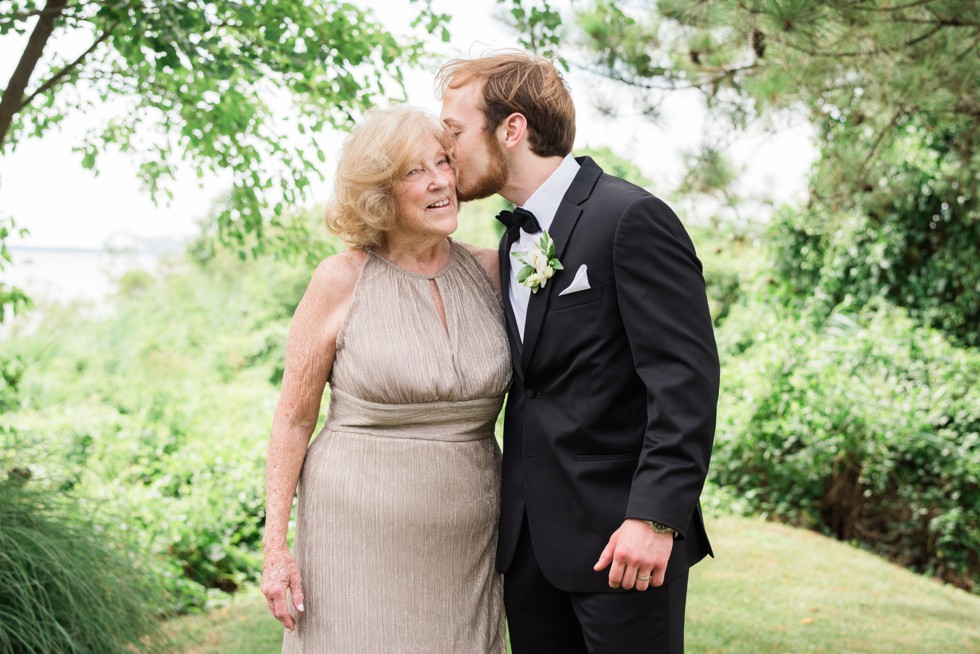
530,393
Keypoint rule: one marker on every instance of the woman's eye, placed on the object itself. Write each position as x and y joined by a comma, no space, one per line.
413,171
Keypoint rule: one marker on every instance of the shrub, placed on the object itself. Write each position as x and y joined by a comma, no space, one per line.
730,259
160,412
913,238
865,426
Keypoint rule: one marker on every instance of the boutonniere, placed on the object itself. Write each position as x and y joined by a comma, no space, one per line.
540,264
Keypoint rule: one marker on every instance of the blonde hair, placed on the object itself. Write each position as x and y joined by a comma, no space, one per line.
376,154
515,81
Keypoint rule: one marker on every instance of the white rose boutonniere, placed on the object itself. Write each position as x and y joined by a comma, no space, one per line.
540,264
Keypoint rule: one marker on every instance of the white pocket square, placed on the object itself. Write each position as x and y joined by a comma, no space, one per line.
579,283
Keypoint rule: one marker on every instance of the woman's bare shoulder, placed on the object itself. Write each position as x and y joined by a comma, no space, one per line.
333,281
337,274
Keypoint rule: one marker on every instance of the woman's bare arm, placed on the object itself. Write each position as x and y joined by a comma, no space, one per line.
310,350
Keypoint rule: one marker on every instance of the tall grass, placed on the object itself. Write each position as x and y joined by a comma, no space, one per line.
65,586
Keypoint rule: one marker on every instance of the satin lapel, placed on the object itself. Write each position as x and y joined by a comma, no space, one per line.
513,336
561,229
569,211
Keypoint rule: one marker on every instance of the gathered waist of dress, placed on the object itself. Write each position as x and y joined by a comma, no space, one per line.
463,420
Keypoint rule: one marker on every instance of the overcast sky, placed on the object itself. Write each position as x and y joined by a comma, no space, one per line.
43,186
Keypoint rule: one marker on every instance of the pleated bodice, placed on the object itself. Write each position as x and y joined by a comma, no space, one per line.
394,349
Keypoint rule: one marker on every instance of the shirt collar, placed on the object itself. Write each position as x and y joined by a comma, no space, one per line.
544,202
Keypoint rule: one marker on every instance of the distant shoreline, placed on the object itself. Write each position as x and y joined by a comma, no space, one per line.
150,248
72,273
55,249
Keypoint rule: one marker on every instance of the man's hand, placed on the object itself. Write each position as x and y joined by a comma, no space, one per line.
638,556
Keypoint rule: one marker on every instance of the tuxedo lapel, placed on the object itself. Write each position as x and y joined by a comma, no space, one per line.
561,229
567,216
513,335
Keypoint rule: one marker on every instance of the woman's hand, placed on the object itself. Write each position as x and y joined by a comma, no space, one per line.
279,573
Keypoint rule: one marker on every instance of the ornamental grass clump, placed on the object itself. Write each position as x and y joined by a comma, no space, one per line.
65,586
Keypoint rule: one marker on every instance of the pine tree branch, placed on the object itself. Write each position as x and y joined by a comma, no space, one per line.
909,5
671,84
61,74
943,22
901,113
868,53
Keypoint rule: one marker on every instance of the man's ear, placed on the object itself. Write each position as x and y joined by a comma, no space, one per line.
512,131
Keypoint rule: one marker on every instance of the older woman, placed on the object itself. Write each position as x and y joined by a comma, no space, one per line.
398,495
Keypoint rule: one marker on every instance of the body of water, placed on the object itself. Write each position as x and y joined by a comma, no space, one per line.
88,277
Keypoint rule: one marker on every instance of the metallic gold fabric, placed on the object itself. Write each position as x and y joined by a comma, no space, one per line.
399,493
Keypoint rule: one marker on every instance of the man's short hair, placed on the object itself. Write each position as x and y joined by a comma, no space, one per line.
518,82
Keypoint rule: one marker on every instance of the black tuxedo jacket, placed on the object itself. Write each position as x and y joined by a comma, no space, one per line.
612,410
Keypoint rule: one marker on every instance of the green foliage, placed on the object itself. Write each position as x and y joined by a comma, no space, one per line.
842,56
709,172
537,24
864,425
134,283
161,414
12,299
731,260
613,164
67,584
210,83
891,89
912,238
15,301
616,38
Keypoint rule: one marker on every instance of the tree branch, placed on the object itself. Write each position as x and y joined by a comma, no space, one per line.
942,22
672,84
24,15
57,77
869,53
11,102
908,5
902,112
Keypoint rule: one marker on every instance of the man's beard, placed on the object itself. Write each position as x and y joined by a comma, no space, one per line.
492,178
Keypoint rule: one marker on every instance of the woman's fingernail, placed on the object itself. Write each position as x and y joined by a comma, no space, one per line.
299,606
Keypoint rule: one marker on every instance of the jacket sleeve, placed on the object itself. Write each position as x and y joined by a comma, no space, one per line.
664,309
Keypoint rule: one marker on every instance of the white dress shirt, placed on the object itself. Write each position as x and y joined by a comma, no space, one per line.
543,203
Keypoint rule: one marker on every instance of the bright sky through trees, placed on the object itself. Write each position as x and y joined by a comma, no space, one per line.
44,187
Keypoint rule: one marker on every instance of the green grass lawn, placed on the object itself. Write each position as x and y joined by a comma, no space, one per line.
770,589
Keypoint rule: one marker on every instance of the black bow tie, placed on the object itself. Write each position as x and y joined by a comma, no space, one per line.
519,219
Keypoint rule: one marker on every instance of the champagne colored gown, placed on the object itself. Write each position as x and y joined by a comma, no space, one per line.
399,493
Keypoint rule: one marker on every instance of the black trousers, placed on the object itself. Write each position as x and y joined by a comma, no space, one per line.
545,620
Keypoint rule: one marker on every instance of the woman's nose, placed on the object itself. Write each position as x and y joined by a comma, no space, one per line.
439,178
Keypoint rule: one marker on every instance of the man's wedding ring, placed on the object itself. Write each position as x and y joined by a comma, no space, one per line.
638,578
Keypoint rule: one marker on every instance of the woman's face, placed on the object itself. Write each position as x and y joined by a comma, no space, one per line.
426,195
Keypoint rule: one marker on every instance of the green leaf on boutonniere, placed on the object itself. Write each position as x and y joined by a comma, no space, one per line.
539,265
